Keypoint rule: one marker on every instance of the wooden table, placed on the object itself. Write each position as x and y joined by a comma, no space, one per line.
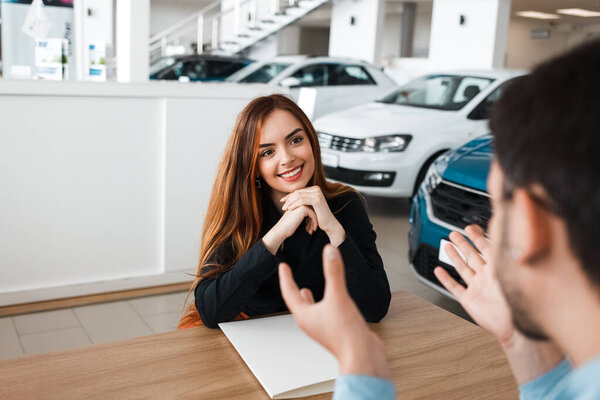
433,355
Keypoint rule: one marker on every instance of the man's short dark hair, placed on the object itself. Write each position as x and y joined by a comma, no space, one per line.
546,127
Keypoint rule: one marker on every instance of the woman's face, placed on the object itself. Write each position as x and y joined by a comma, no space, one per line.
285,157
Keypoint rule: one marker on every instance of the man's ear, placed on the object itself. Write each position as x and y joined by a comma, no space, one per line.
531,229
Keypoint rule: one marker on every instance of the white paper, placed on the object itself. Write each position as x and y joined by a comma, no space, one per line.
50,59
286,362
307,98
37,24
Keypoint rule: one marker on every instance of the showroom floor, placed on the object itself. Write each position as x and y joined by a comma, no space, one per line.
48,331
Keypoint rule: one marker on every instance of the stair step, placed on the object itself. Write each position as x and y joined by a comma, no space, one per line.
233,44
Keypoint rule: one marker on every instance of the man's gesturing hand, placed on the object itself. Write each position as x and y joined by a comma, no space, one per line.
483,298
335,322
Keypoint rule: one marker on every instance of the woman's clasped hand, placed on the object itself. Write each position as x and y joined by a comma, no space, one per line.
313,198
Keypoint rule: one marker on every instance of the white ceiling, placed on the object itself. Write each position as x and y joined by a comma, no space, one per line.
548,6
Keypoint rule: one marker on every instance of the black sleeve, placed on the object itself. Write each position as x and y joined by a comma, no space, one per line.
221,299
365,276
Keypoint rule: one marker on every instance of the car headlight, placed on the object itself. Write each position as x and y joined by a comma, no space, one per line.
442,161
432,179
386,144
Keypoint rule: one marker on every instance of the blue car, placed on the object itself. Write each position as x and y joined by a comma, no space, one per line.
452,196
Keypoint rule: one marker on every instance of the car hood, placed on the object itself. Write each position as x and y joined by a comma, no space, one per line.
373,119
469,165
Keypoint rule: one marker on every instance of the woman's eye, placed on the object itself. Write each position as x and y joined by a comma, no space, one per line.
296,140
266,153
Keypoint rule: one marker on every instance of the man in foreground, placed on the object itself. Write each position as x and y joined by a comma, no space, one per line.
536,284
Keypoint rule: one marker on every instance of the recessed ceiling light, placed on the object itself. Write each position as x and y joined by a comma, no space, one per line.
537,15
578,12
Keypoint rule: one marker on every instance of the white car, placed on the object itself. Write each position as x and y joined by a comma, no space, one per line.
339,83
385,147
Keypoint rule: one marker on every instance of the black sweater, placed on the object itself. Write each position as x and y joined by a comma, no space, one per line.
252,284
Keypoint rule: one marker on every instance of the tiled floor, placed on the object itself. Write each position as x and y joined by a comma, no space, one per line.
48,331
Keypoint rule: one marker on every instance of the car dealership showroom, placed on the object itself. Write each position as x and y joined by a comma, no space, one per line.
132,206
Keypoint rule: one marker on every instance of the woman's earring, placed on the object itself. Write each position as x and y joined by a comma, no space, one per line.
257,183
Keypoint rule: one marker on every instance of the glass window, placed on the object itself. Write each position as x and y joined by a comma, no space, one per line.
443,92
265,73
195,70
468,88
161,64
313,75
350,75
220,70
483,109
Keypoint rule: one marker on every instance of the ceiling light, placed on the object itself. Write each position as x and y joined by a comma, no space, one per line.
537,15
578,12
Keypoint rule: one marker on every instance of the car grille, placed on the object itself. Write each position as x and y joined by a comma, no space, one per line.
460,206
339,143
425,261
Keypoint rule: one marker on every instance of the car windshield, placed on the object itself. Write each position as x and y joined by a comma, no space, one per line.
162,64
265,73
442,92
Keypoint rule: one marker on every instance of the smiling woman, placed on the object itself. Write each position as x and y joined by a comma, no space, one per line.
270,203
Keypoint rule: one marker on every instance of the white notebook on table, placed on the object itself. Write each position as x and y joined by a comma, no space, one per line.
286,362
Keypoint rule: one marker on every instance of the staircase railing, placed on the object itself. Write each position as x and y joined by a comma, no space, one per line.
197,24
204,30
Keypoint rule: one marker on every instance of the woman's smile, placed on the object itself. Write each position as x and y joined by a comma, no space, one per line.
293,174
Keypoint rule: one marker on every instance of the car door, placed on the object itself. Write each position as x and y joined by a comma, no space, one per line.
469,90
349,85
338,86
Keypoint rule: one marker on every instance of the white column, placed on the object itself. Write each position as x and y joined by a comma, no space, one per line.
356,29
133,31
469,33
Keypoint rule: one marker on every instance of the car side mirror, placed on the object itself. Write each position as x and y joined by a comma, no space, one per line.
290,81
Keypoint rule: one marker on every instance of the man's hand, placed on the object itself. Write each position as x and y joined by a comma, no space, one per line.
484,300
335,322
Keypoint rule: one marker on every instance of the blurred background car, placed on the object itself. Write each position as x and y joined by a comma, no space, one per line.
452,196
339,83
196,67
384,148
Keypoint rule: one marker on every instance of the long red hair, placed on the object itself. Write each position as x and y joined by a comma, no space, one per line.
235,213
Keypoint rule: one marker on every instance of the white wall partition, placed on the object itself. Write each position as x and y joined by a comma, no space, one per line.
107,181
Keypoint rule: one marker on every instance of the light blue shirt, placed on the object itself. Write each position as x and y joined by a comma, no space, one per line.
563,382
363,387
560,383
